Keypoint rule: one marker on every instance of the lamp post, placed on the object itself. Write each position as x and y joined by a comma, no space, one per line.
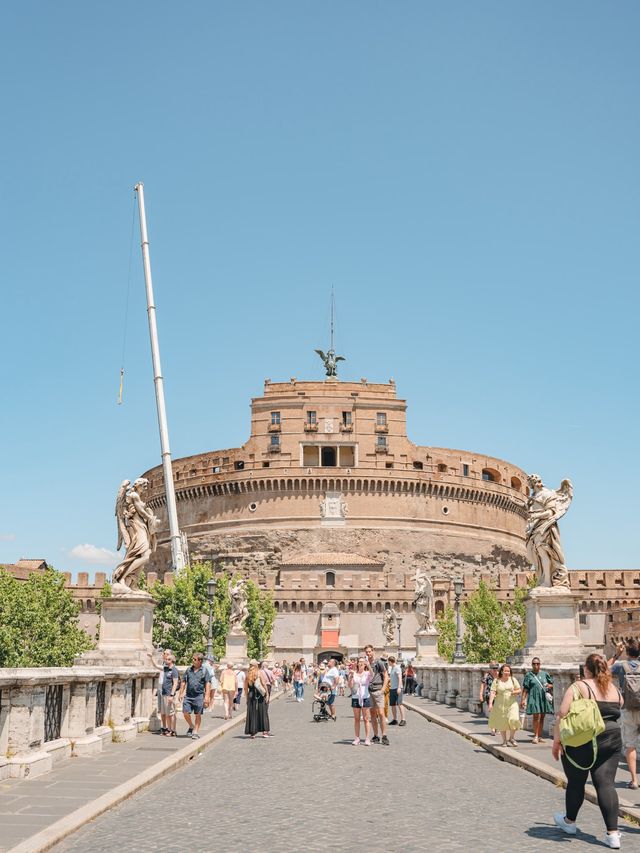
261,625
458,655
399,621
211,591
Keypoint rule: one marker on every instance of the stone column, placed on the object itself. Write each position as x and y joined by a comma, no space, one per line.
433,683
122,726
25,737
474,705
82,741
462,699
441,693
452,686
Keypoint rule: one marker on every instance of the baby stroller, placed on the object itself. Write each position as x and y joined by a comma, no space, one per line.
319,705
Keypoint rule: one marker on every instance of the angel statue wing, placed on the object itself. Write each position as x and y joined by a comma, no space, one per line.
340,358
123,534
564,498
321,354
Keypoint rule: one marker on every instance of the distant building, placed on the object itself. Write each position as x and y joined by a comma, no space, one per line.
23,568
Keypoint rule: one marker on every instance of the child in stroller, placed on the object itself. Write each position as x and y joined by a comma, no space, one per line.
319,707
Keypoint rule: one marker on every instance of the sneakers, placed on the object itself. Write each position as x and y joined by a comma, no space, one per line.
385,740
375,739
402,723
355,742
613,840
569,828
189,732
367,742
393,723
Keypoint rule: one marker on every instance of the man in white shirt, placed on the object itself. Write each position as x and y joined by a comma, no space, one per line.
331,678
240,679
395,692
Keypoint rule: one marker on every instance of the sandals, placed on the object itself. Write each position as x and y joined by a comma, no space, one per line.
632,785
512,743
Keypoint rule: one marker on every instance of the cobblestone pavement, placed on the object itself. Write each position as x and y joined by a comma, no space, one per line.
307,789
30,805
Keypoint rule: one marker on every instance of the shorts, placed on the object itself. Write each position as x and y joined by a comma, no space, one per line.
395,696
630,729
193,706
377,699
366,703
167,705
331,698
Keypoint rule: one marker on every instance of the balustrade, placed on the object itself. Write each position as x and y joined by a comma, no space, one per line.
459,685
49,714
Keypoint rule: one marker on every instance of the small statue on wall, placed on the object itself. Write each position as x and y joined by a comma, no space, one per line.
137,532
389,625
423,601
545,507
239,608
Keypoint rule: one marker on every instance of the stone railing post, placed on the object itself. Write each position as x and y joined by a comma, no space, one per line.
120,711
432,690
441,694
475,678
452,685
25,733
81,734
462,699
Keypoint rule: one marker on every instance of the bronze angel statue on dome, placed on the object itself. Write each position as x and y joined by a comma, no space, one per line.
137,532
545,508
330,361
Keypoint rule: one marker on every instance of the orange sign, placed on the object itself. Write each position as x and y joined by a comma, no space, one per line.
330,638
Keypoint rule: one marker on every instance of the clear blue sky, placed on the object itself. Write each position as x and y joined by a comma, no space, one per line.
466,175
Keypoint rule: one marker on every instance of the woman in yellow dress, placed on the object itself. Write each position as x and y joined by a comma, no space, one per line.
504,716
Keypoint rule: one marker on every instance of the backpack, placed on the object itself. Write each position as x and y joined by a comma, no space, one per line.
582,724
631,692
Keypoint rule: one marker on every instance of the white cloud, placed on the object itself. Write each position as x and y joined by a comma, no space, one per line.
92,554
7,537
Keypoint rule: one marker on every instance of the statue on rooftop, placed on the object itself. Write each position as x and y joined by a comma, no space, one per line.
330,361
545,507
137,532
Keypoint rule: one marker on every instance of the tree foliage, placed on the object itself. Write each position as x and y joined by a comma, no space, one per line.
446,627
181,619
39,621
493,629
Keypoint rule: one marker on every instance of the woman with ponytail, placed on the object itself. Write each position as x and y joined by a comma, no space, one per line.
596,685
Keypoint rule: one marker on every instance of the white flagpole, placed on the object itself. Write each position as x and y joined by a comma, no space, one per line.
177,557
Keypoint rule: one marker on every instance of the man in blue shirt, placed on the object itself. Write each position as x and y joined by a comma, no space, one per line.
195,694
631,711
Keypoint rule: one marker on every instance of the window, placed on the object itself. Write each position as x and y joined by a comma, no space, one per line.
418,466
490,475
381,441
328,457
442,468
346,419
275,440
381,419
330,578
312,418
216,469
239,465
275,418
388,464
465,470
265,464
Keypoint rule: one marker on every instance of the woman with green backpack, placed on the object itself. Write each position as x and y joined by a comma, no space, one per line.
587,736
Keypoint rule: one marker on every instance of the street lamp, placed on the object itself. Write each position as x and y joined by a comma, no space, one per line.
399,621
261,625
211,591
458,655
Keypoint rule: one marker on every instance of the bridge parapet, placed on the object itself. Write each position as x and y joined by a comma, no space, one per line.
48,714
458,685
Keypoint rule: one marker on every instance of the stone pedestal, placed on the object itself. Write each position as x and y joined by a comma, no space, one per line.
236,650
426,647
126,624
553,627
392,650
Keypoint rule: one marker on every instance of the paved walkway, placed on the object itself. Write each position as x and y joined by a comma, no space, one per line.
28,806
307,789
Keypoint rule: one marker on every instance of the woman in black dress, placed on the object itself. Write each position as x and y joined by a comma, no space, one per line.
257,720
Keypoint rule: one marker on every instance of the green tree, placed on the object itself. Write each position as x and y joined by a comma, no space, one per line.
39,621
446,627
261,607
493,630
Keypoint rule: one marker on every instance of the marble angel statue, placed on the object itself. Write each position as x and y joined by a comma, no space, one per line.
137,532
389,625
423,602
545,508
239,609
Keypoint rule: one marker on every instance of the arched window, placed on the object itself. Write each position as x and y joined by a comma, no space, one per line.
294,607
369,607
351,607
328,457
442,468
439,608
311,607
277,606
330,579
491,475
